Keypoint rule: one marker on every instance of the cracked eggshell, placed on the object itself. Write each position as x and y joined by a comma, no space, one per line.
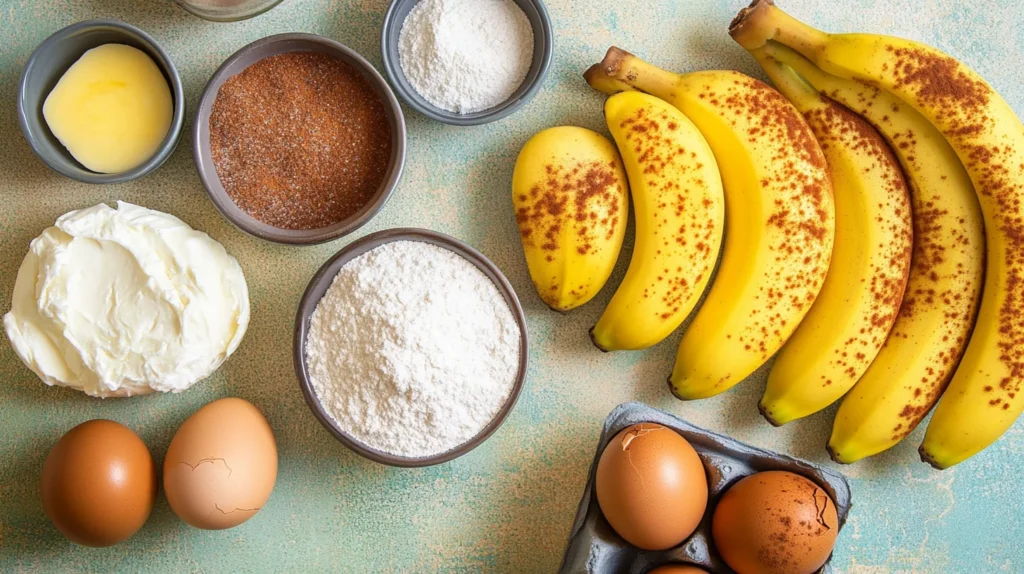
221,465
651,486
775,522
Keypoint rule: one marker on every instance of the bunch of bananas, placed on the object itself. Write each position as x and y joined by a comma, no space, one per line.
672,132
780,217
954,135
873,233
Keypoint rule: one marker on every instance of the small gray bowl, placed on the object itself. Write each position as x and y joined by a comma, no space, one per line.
227,12
272,46
49,62
322,281
543,48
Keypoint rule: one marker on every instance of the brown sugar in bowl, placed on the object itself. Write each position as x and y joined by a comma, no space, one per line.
243,218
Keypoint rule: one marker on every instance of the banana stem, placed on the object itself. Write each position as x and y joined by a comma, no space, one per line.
602,82
762,21
628,70
803,95
793,59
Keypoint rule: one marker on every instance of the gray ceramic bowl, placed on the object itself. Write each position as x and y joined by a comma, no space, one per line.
543,48
228,12
322,281
49,62
272,46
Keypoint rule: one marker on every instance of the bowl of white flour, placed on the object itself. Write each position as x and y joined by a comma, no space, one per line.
466,62
410,347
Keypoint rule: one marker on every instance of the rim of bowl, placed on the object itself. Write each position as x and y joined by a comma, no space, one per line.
81,173
210,18
256,228
393,70
326,275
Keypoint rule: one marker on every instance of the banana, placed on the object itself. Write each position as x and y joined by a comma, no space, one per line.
986,394
851,318
780,218
604,83
925,345
679,211
571,201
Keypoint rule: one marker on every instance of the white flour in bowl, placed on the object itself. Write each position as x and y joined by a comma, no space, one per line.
412,350
466,56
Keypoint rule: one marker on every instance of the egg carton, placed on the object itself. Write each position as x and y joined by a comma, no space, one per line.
595,548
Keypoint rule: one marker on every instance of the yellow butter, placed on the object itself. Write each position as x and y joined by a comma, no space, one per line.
111,109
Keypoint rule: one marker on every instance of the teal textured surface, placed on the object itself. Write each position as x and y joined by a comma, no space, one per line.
508,505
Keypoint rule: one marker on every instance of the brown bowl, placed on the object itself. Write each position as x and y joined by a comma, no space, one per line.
249,55
322,281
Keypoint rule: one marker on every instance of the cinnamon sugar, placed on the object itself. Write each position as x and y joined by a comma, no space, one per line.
300,140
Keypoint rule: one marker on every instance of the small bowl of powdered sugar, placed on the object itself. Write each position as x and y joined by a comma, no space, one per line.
410,347
466,62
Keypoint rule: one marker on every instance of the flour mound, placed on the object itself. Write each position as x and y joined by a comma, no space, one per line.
466,56
412,350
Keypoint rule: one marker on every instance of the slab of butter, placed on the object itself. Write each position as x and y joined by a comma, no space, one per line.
111,109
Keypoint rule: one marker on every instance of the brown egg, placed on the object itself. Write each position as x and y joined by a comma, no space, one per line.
99,483
775,522
221,465
651,486
678,569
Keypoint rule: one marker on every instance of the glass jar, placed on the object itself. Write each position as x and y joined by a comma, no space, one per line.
227,10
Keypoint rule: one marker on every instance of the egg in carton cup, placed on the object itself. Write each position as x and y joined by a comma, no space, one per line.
596,548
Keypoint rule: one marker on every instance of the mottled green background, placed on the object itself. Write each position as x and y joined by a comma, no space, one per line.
507,506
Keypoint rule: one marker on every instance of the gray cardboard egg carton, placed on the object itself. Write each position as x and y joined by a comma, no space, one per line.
594,548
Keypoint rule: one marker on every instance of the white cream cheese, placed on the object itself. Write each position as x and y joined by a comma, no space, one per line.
126,301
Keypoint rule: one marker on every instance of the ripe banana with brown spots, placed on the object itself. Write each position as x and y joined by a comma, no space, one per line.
679,211
986,394
780,217
858,304
571,200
